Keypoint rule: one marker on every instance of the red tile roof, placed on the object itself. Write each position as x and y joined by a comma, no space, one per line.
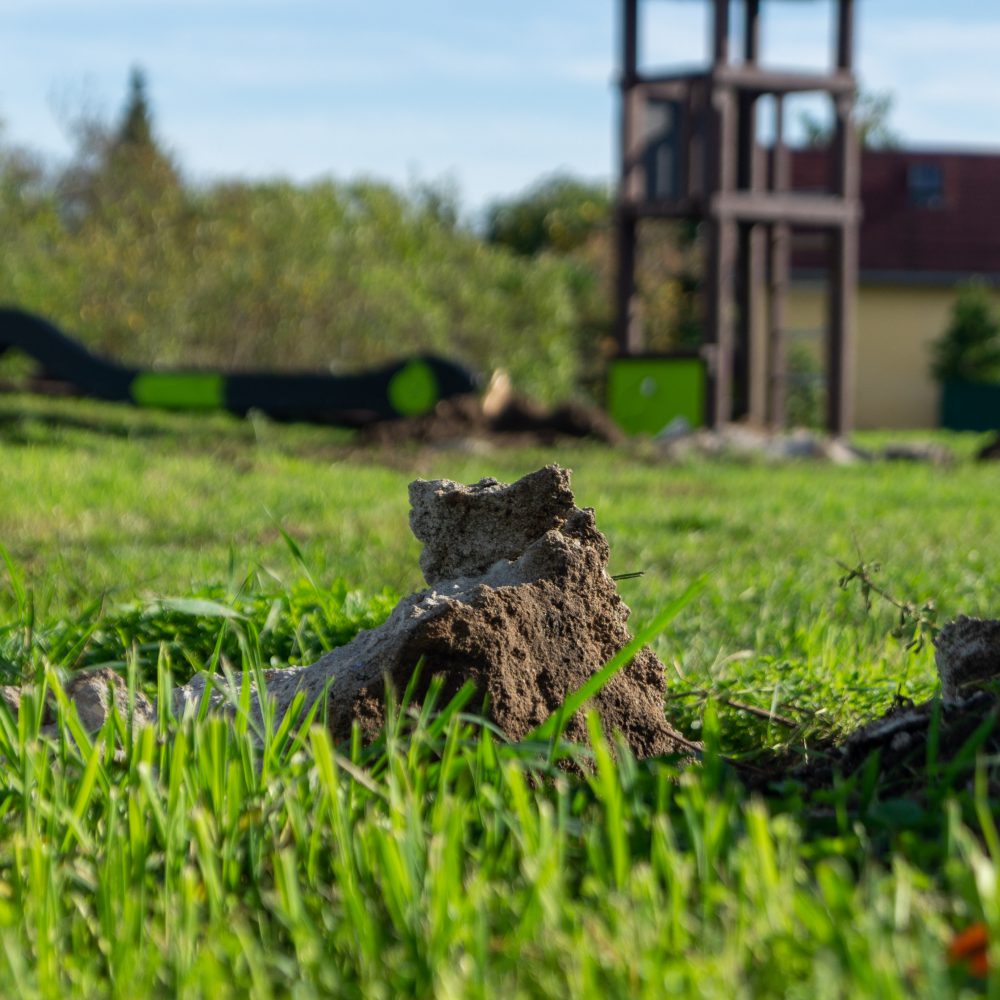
957,234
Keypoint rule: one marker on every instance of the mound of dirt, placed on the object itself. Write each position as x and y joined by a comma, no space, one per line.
499,417
519,603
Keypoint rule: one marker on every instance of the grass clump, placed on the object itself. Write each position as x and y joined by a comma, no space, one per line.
440,861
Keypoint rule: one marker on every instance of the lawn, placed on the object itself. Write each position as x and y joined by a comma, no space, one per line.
443,861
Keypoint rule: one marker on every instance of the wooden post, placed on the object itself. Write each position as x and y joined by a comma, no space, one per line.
778,250
843,241
630,42
720,33
747,389
627,326
843,274
845,34
627,330
751,31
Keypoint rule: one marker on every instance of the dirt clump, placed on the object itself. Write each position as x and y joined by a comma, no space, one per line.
519,603
951,729
498,417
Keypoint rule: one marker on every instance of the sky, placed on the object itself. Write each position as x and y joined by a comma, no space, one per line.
483,97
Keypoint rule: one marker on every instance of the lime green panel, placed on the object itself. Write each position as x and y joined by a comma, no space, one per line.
413,389
179,390
645,394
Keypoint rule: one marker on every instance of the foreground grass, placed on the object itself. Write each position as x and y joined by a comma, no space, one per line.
436,863
443,861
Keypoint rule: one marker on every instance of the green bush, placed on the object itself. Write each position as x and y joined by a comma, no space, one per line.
142,266
969,350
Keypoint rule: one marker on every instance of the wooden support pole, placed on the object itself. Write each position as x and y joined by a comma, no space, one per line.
751,32
630,42
627,331
627,326
746,376
779,245
845,34
720,33
841,349
756,340
778,266
843,275
721,274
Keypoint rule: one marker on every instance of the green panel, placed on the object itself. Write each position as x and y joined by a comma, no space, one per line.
413,389
645,394
180,390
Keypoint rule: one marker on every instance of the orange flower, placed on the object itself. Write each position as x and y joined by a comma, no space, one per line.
969,946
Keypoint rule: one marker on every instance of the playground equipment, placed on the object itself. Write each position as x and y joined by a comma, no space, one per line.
691,149
406,388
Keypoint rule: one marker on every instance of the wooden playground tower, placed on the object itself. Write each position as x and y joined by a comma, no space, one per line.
690,150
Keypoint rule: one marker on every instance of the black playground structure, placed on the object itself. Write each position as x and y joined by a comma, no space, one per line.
407,388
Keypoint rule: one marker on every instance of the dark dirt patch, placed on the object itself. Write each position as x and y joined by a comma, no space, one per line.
515,423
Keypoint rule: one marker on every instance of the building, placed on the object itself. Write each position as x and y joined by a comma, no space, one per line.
931,220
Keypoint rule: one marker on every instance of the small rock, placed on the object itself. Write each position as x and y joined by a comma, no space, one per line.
679,427
967,654
11,697
920,451
92,692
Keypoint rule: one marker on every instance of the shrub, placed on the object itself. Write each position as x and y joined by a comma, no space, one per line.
969,350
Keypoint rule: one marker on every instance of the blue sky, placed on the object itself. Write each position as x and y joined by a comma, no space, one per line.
489,96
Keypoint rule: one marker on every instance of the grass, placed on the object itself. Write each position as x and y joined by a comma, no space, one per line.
188,860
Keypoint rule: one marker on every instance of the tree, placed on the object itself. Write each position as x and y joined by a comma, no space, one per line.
118,170
969,350
136,128
559,213
872,110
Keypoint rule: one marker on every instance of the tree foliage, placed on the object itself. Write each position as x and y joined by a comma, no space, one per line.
969,349
872,113
120,251
559,213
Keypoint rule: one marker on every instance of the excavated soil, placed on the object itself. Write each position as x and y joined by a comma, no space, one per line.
515,423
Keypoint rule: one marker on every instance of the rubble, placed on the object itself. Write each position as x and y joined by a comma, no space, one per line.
679,441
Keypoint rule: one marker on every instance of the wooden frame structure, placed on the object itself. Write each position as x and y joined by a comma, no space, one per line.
689,150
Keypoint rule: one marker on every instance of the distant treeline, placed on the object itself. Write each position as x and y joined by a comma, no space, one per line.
121,251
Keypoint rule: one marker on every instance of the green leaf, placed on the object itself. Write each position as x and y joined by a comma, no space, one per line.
196,607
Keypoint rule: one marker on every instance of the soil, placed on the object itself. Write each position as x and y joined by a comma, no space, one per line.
517,422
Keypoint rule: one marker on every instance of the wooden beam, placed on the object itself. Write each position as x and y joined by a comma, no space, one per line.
819,210
767,81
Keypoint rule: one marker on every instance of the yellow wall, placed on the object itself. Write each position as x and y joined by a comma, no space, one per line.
896,325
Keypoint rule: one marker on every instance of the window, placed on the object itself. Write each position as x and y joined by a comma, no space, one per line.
925,185
662,153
